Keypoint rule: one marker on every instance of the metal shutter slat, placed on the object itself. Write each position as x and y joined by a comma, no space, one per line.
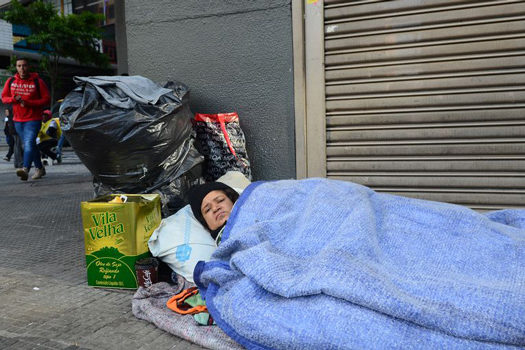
427,98
426,165
358,10
407,70
440,84
452,51
422,37
495,182
444,133
496,12
486,115
486,148
380,101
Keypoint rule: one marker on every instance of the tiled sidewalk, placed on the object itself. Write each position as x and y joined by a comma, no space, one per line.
45,302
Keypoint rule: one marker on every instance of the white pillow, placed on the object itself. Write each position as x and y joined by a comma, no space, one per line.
181,241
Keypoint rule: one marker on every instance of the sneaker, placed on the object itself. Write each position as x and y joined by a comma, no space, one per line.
7,158
39,173
22,173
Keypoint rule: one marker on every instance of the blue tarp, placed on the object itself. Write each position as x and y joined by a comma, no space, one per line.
324,264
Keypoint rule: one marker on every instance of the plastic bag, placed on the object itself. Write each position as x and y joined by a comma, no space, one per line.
134,136
221,141
181,242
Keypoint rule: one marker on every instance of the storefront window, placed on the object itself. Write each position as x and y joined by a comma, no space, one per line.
67,5
104,7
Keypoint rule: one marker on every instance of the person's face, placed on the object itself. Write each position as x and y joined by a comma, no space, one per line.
216,208
22,68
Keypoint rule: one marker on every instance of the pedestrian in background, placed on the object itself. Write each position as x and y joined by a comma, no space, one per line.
61,139
9,127
28,94
17,142
48,137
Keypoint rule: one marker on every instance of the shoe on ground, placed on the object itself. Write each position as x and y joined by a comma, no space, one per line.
22,173
7,158
39,173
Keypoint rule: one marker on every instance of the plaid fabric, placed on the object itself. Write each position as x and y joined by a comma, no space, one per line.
212,143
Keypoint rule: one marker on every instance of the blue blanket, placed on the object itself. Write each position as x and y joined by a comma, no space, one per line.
323,264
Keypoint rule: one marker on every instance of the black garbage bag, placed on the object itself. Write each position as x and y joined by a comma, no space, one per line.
134,136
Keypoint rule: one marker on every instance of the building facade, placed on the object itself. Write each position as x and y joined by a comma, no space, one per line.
13,41
234,56
106,8
418,98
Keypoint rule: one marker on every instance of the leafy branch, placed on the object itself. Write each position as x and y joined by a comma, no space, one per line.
57,36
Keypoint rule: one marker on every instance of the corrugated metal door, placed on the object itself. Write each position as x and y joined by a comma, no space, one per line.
426,98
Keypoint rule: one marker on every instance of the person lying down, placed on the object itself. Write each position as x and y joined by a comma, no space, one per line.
326,264
194,232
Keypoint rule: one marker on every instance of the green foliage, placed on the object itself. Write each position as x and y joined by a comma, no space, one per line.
12,65
73,36
57,36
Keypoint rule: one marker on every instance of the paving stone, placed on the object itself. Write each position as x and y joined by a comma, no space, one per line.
44,297
5,342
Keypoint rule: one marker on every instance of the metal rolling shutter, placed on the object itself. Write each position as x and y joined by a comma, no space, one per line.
427,98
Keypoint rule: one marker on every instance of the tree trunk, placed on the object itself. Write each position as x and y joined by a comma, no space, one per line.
53,77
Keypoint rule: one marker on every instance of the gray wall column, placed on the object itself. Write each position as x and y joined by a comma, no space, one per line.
121,37
235,56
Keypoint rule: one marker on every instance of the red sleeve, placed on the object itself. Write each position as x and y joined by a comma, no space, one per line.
6,93
39,102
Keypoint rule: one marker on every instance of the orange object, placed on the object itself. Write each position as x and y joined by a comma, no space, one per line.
177,303
117,199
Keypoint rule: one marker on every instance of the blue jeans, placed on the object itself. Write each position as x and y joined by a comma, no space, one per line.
60,144
27,132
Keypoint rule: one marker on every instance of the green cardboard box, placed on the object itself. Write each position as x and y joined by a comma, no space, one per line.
116,236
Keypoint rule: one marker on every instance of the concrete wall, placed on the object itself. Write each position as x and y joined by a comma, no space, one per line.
120,37
235,55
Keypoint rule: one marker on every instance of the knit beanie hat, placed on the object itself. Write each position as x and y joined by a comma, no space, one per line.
197,193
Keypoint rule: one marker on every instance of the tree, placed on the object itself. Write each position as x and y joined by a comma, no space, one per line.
57,36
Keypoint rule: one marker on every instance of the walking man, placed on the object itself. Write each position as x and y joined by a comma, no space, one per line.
28,95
